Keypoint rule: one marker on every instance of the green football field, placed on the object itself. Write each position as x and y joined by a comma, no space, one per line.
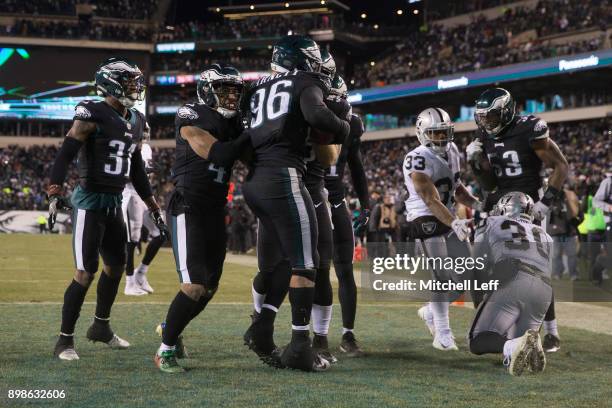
401,369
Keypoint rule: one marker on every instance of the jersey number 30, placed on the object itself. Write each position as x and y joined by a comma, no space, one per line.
271,106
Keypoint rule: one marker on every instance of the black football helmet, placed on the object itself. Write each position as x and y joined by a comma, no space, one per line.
338,87
121,79
220,87
495,109
296,52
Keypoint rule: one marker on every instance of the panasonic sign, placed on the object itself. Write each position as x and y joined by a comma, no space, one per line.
452,83
565,65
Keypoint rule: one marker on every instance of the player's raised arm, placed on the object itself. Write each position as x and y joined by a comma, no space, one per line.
77,135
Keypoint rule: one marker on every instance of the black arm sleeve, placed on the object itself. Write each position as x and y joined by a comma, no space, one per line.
70,148
358,175
318,115
138,175
225,153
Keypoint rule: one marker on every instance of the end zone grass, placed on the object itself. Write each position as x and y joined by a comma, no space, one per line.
402,368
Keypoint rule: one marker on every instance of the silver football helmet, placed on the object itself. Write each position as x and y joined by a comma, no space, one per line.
515,205
435,130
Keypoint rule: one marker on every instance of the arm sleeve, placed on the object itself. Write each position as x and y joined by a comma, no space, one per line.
64,157
358,175
318,115
138,175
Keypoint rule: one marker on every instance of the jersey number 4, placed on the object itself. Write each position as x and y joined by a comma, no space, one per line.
120,159
272,105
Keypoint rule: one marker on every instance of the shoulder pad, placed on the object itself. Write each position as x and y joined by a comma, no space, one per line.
188,112
87,110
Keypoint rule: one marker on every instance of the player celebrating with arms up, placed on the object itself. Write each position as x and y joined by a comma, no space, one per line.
106,136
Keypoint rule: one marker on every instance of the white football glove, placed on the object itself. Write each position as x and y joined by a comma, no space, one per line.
474,150
539,211
461,227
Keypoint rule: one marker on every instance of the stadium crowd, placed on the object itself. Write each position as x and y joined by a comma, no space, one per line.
483,43
587,146
77,30
135,9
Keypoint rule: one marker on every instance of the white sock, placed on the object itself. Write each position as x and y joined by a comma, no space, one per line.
550,327
321,318
164,347
440,316
258,299
509,347
345,330
300,328
142,268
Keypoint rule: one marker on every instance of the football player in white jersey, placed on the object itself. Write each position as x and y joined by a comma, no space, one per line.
519,255
134,213
431,173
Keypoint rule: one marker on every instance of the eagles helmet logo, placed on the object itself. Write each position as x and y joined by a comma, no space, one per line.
82,112
187,113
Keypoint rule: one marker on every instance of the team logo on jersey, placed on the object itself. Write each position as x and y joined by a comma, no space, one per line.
187,113
429,227
541,125
82,112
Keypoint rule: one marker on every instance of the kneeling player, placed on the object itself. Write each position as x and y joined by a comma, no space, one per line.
431,173
509,319
106,136
207,144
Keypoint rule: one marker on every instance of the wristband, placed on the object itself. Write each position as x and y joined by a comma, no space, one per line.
550,195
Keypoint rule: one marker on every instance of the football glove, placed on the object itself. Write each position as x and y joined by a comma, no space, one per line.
158,220
56,203
474,150
361,221
539,210
461,227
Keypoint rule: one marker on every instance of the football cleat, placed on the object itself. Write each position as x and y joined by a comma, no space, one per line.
552,343
349,346
132,288
99,332
260,339
537,362
520,359
321,348
298,354
65,350
426,315
142,282
445,341
181,351
166,362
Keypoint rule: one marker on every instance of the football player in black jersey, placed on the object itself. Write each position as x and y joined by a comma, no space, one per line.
509,154
284,107
208,140
106,136
343,234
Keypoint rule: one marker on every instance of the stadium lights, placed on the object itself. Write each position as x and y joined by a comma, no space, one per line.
239,48
376,26
372,63
252,7
217,9
286,4
364,15
400,12
322,1
415,12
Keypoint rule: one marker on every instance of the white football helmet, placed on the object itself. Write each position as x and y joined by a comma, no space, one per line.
515,205
431,122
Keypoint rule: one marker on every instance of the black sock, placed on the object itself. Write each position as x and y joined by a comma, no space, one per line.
73,300
267,315
550,313
201,305
347,294
107,292
278,284
152,249
129,266
323,288
179,315
301,305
